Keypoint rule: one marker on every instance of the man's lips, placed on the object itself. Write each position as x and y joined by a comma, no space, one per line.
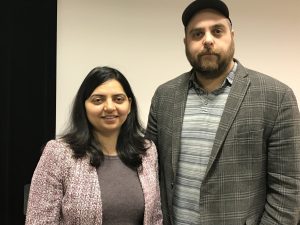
208,53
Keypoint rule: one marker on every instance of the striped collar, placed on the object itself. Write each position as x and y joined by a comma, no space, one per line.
227,82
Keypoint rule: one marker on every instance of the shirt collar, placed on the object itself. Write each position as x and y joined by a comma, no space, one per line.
228,81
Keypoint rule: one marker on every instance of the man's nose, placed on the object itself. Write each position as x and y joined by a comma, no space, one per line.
208,39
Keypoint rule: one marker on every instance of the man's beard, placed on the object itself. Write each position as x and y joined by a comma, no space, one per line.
211,64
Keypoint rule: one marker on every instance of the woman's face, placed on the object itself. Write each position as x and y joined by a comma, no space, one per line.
107,108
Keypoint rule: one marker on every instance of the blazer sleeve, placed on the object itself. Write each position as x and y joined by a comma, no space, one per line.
46,189
148,174
151,131
157,214
283,191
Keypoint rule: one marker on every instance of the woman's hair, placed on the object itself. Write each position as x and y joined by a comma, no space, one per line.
79,134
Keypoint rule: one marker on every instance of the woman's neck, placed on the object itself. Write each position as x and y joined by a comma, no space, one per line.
108,144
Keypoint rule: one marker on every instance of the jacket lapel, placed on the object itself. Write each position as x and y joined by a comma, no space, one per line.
180,97
237,93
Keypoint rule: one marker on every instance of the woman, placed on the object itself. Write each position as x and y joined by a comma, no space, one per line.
102,170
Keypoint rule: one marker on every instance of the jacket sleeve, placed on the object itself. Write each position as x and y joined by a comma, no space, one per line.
46,188
151,131
283,190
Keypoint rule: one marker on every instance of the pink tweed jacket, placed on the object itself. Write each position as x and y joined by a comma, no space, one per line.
65,190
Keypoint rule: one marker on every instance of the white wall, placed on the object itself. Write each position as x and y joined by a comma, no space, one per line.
144,40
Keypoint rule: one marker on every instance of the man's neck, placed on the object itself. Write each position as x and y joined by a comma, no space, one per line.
211,84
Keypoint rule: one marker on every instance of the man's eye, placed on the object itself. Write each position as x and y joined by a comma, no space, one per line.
197,34
218,31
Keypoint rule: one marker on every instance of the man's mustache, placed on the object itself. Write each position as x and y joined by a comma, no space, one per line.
208,52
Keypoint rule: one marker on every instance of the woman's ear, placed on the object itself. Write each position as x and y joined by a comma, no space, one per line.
130,100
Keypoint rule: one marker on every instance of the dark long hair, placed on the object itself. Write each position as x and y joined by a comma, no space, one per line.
79,134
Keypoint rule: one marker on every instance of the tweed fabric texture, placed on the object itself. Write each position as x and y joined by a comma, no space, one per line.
65,190
253,174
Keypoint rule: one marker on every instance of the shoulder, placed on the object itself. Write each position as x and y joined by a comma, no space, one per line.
174,83
263,80
165,92
56,158
57,150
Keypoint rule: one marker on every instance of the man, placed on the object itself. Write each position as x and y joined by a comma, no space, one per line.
228,137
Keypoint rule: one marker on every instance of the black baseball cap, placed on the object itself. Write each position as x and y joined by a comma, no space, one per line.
199,5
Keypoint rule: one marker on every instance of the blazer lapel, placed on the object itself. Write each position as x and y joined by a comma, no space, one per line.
237,93
180,97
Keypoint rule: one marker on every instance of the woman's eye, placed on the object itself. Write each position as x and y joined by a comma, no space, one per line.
97,100
119,99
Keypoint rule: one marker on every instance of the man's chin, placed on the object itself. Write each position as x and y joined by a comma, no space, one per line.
209,61
209,74
208,70
209,67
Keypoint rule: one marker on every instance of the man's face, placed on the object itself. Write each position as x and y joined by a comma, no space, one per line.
209,44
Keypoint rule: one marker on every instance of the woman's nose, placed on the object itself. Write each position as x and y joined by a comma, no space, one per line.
109,105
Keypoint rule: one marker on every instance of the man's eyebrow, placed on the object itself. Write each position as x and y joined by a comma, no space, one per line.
196,29
219,25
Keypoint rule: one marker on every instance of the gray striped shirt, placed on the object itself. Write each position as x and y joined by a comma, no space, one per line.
200,123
